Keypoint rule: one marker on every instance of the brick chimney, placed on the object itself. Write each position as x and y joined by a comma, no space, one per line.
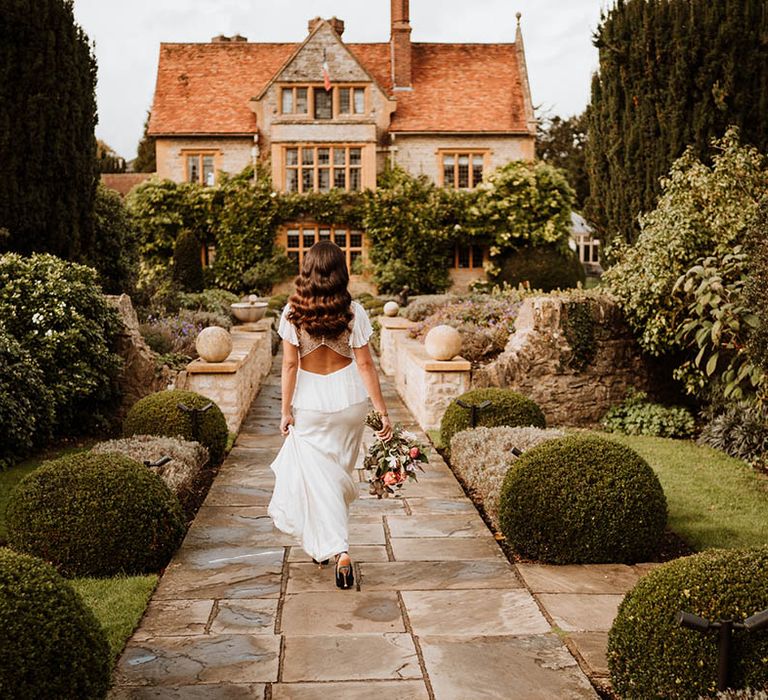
400,43
336,24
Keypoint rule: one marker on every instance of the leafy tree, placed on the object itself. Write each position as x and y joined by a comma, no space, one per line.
562,143
107,159
187,266
673,74
115,253
47,120
145,161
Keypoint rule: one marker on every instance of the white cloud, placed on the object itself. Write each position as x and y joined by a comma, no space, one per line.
557,34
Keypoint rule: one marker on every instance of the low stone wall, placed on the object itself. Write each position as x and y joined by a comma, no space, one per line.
538,360
232,384
426,386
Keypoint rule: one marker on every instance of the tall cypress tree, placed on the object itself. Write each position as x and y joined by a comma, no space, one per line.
47,121
673,73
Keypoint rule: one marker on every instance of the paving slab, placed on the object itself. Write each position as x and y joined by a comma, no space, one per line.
357,552
579,578
175,618
429,506
445,549
209,659
476,612
457,525
575,612
218,691
350,657
535,667
341,612
245,616
592,647
437,575
352,690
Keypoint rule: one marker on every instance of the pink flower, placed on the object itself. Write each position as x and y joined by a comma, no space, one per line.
390,478
414,452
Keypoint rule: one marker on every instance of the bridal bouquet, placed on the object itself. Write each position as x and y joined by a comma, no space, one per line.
392,462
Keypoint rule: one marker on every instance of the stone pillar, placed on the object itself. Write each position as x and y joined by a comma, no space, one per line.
391,326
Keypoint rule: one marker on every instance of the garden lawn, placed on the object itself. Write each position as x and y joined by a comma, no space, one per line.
118,604
714,500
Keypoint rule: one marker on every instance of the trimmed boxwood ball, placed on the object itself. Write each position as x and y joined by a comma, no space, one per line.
52,645
651,656
507,408
583,499
159,414
95,515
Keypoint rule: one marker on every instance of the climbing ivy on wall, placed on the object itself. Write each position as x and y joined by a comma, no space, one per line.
411,224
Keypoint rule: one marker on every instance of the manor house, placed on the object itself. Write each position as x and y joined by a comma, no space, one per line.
325,114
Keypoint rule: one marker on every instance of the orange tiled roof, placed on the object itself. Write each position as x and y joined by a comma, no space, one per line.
123,183
205,88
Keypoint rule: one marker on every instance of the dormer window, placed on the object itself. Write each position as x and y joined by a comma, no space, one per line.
341,101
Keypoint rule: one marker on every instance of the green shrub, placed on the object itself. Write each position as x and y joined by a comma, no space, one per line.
507,408
25,414
160,414
583,499
264,274
277,302
53,646
541,267
216,301
651,656
638,416
56,311
187,265
425,305
95,515
741,431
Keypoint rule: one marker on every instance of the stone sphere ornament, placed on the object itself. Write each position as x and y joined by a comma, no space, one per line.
443,342
213,344
391,308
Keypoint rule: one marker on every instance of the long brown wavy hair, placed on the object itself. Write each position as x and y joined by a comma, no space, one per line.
321,304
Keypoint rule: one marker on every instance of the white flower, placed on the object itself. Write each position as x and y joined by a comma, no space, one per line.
37,318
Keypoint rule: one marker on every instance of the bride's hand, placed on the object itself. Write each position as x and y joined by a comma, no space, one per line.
386,429
285,421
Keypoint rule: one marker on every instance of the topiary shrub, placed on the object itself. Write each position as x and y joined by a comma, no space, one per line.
651,656
95,515
583,499
507,408
541,267
187,265
53,646
482,456
159,414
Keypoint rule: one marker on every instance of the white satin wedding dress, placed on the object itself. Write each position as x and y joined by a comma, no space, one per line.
314,469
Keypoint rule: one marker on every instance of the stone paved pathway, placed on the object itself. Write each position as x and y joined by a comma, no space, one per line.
438,611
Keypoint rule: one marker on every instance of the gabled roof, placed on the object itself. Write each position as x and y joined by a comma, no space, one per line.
206,88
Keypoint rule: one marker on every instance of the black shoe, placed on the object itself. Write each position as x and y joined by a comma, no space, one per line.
321,563
345,578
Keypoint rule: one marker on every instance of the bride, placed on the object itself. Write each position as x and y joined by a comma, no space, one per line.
327,377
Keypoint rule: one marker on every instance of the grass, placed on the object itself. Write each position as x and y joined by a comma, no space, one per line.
714,500
118,604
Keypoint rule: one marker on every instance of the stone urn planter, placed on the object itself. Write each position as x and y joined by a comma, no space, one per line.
213,344
250,310
443,343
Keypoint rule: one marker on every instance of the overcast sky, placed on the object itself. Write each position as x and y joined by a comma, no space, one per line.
127,33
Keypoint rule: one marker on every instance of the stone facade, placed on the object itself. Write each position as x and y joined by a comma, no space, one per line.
426,386
231,155
536,360
232,384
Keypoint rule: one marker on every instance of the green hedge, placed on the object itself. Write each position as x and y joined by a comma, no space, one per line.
541,267
583,499
507,408
52,645
95,515
160,414
651,656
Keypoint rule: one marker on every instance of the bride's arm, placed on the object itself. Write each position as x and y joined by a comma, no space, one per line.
371,380
288,383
